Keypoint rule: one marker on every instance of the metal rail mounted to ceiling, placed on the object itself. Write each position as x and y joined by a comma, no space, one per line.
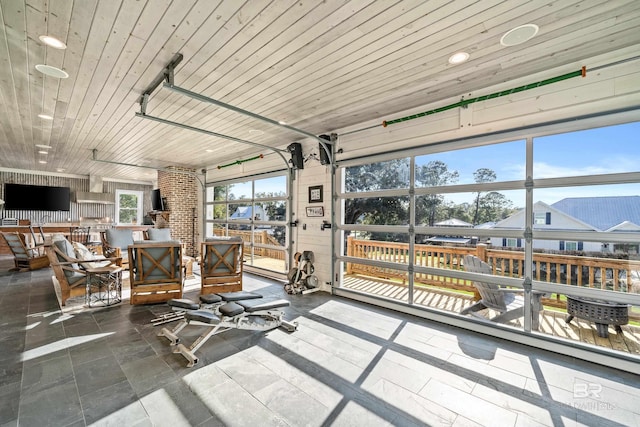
167,74
169,85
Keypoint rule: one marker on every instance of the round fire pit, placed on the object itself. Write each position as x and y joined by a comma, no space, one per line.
602,313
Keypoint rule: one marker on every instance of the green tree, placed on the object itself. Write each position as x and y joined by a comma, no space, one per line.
128,212
481,175
371,177
434,173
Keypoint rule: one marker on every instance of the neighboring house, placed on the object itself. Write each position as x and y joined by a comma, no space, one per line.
604,214
247,212
448,240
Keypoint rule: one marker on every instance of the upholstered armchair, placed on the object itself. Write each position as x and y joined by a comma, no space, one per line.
155,271
115,242
158,234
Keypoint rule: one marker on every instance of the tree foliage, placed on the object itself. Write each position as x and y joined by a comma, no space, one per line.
430,209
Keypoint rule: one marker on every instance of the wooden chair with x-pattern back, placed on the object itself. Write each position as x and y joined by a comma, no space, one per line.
155,271
221,265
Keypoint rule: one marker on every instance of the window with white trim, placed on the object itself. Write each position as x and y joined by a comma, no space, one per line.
129,207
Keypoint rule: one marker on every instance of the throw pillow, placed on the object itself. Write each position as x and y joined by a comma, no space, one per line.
83,253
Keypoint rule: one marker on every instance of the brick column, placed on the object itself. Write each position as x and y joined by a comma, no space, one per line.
181,192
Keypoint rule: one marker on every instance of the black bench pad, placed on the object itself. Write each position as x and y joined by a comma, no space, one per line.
259,305
231,309
210,298
187,304
204,316
237,296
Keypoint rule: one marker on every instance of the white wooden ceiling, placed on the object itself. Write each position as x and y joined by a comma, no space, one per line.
318,65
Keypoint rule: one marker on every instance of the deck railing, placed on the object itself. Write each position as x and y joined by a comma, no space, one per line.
601,273
261,238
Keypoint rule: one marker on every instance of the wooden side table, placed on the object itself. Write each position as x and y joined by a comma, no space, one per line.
104,286
187,263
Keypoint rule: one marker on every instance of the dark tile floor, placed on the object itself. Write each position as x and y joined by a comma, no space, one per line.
347,364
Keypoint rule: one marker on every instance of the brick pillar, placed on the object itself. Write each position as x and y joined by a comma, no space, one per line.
181,192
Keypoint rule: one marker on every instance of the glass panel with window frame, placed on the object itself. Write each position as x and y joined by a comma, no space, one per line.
379,281
273,235
275,210
483,209
240,190
599,209
377,211
220,211
497,162
219,193
610,149
213,229
268,259
271,187
241,212
389,175
378,246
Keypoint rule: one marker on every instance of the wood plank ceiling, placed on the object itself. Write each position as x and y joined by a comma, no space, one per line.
318,65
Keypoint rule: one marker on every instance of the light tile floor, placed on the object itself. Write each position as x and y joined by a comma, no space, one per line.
348,364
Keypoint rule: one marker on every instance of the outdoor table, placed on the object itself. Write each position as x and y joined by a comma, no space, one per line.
602,313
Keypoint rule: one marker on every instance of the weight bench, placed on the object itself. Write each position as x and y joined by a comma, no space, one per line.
179,306
253,315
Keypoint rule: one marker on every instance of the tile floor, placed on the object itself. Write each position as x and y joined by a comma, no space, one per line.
348,364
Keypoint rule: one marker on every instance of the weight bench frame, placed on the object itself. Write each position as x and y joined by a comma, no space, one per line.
271,317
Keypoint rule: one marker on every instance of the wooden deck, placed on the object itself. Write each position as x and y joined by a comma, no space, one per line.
551,320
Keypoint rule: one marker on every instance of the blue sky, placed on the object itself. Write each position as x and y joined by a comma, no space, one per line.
611,149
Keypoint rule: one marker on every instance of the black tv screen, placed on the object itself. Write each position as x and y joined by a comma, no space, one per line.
20,197
156,200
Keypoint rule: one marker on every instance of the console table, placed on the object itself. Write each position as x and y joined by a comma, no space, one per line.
602,313
104,286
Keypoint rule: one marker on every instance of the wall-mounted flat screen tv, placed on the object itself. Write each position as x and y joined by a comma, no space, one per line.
157,204
20,197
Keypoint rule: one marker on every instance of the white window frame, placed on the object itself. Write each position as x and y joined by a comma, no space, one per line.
539,218
140,207
571,242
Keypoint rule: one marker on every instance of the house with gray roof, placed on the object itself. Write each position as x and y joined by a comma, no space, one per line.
602,214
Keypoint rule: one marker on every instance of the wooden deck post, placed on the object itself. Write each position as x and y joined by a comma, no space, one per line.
349,253
481,251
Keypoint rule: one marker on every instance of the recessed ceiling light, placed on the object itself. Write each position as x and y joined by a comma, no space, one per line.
53,42
42,161
458,58
282,122
52,71
43,146
256,132
45,117
43,152
209,151
519,35
60,169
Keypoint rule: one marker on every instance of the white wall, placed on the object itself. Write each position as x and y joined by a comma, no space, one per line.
308,235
